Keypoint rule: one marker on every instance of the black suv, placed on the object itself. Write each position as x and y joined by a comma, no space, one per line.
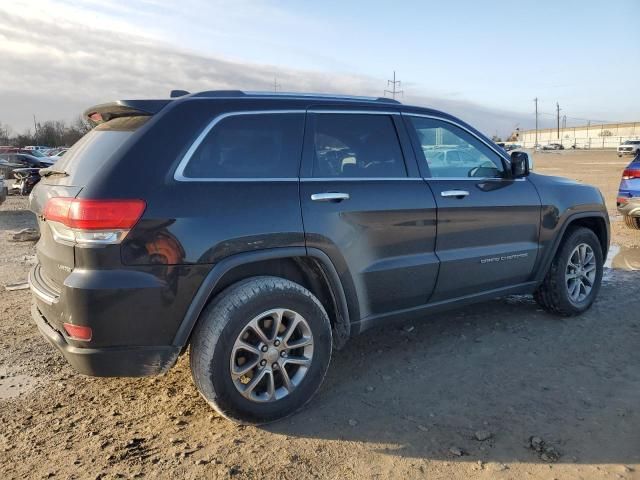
263,230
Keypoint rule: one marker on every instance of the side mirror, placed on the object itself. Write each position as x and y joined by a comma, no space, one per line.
521,164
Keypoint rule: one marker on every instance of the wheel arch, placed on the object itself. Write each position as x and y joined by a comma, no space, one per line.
594,221
312,269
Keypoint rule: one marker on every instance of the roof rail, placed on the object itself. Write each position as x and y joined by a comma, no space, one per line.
234,93
220,93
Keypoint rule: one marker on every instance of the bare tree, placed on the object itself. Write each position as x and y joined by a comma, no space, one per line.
53,133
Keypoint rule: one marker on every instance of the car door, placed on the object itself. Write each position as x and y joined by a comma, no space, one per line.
365,205
488,222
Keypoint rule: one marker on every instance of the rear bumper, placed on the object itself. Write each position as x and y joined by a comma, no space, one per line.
631,207
109,362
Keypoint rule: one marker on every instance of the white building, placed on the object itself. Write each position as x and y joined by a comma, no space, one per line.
606,135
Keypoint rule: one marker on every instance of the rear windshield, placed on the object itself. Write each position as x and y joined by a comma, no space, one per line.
82,160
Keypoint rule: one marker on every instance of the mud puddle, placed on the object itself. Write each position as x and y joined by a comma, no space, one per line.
621,259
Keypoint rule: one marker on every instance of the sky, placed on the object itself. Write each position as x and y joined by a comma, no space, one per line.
484,61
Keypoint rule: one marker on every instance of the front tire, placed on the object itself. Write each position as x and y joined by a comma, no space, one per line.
573,280
632,222
261,349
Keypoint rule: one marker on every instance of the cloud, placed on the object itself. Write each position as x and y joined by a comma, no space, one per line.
57,69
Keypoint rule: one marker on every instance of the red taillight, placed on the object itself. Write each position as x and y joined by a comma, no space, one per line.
77,332
622,200
94,214
630,173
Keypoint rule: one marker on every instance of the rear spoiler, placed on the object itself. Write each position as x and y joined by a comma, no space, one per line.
123,108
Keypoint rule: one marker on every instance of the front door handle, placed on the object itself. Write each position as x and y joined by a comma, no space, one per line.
454,193
329,197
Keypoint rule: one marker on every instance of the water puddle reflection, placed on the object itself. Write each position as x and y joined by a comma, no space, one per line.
621,259
624,258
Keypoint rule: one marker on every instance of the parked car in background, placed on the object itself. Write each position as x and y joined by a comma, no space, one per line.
630,147
4,191
553,146
628,200
35,153
36,147
11,161
24,180
512,146
7,168
57,153
353,212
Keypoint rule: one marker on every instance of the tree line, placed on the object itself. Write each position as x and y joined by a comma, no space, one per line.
52,133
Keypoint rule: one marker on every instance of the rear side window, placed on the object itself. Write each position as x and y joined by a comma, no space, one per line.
356,146
84,158
250,146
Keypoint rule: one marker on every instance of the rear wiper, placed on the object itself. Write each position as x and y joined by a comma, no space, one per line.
47,172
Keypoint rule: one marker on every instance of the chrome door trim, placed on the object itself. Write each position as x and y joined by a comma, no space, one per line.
360,179
475,179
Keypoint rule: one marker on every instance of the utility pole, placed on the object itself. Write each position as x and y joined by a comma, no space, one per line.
394,83
35,125
276,85
536,102
564,121
558,118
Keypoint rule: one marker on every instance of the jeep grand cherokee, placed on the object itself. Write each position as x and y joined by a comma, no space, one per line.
260,231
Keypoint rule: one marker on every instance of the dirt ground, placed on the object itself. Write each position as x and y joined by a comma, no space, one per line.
406,401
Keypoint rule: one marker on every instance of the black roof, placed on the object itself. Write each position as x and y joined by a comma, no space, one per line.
123,108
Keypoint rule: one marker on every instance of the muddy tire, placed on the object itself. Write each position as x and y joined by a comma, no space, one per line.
632,222
261,350
574,277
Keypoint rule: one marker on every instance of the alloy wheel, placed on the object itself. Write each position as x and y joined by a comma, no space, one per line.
271,355
580,274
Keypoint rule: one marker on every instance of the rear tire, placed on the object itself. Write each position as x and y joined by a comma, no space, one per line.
632,222
274,329
566,289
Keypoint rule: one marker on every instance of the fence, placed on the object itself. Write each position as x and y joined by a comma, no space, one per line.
567,141
604,135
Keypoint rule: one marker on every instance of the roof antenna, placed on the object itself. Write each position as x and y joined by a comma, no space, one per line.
178,93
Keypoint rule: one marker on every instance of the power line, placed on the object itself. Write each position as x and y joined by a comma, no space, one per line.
394,83
549,114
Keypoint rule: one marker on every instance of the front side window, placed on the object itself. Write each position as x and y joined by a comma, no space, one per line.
452,152
250,146
356,146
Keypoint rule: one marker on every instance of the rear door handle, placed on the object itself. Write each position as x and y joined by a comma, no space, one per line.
454,193
329,197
